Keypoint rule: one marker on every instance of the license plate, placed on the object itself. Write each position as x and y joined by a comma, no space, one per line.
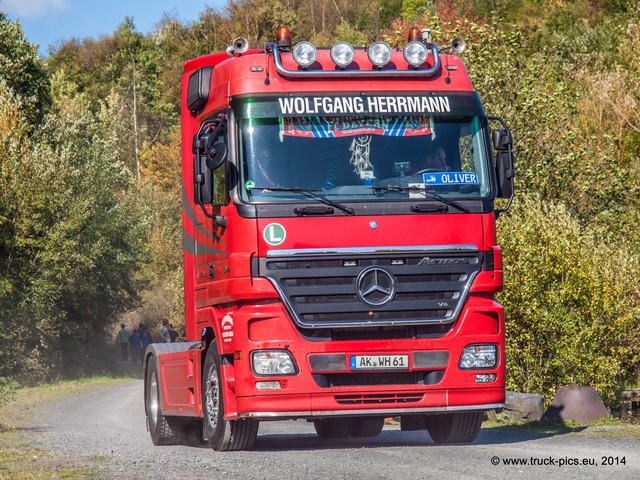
379,362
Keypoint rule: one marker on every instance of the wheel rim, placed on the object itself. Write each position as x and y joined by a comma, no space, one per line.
211,396
153,399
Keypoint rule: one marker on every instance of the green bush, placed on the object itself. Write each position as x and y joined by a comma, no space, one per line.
572,302
8,387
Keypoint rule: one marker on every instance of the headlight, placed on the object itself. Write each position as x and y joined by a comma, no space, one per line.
342,54
415,53
379,54
479,356
304,53
273,362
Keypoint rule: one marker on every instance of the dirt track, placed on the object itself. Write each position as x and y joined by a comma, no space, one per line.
106,427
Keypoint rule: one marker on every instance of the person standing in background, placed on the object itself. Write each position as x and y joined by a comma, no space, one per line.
135,345
145,337
123,340
166,338
173,334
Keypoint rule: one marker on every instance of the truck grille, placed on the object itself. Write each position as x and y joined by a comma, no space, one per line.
352,290
378,399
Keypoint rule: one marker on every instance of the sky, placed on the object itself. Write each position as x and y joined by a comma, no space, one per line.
49,22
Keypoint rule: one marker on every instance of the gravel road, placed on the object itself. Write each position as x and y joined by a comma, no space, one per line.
106,427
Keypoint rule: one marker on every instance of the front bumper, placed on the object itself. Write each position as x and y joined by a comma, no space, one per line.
267,412
266,326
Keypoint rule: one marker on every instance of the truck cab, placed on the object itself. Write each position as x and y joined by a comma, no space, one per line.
340,254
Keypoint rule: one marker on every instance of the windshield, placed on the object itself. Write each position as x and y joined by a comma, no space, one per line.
361,157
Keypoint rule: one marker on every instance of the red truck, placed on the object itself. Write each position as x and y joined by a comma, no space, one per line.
340,257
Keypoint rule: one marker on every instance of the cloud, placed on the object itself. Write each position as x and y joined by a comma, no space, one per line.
32,8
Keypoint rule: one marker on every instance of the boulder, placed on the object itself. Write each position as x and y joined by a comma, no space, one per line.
580,404
519,407
527,407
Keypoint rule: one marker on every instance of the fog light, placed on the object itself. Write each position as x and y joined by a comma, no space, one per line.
273,362
485,377
379,54
479,356
342,54
304,53
275,385
415,53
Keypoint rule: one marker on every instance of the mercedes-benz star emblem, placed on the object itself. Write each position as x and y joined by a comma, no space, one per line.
375,286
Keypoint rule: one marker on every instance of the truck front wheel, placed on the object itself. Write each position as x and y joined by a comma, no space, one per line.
163,430
222,435
454,427
367,427
333,427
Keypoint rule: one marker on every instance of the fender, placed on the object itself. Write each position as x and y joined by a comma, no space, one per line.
227,370
179,371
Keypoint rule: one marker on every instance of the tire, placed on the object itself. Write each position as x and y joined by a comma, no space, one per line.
454,427
333,427
367,427
222,435
163,430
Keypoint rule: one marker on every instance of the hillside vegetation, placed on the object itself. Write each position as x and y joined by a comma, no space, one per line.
90,181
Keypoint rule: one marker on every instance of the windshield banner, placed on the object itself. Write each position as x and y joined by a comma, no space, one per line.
374,105
335,127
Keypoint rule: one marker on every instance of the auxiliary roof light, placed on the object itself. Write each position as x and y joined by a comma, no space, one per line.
415,53
342,54
283,37
415,35
304,53
379,54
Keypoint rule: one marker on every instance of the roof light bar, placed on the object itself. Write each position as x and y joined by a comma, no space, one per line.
343,54
390,73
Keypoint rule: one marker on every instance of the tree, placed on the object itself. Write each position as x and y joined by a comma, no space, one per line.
74,242
23,70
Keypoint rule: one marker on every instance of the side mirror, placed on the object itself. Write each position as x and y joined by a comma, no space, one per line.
505,173
203,181
501,139
217,155
505,170
210,153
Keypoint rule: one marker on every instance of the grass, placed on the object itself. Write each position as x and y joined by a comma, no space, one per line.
606,428
19,459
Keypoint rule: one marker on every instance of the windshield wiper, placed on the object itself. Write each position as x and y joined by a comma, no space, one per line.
311,193
427,192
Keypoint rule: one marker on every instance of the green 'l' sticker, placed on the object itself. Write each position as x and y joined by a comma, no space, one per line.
274,234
